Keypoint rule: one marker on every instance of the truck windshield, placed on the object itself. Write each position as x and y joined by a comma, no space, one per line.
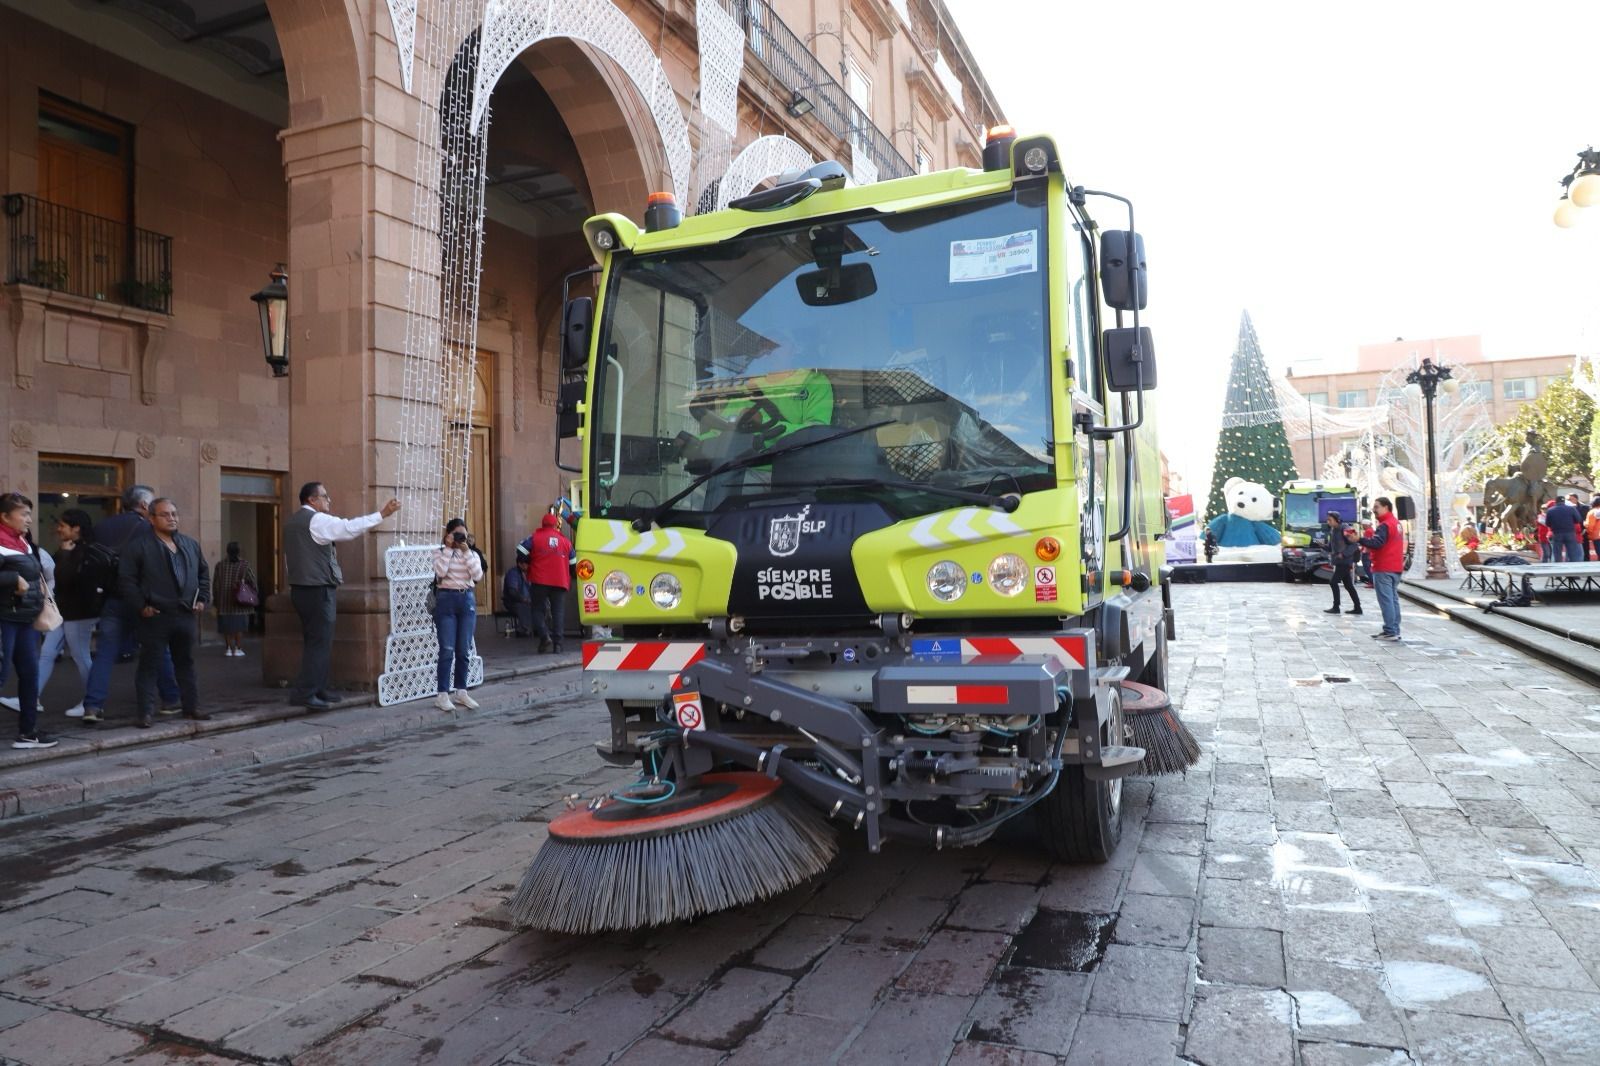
1309,510
933,323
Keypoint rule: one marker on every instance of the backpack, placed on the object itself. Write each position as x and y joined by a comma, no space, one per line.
100,567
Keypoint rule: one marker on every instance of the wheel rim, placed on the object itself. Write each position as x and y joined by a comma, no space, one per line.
1117,729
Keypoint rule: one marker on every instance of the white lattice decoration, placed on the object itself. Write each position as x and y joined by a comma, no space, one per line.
403,16
511,27
411,654
762,158
1461,433
863,171
441,331
721,64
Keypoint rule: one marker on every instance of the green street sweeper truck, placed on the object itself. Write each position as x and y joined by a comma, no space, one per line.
871,527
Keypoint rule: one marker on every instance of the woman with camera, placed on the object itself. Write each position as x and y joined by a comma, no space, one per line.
457,567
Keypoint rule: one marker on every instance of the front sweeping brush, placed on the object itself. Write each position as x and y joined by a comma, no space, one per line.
637,859
1169,747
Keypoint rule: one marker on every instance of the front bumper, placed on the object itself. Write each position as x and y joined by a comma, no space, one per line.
864,726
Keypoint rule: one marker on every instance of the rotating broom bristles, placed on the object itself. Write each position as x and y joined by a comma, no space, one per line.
585,886
1169,747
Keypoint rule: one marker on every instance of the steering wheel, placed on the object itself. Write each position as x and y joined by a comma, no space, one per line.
762,416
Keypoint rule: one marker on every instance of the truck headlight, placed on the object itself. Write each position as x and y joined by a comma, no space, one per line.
617,588
1008,574
666,592
1286,540
947,581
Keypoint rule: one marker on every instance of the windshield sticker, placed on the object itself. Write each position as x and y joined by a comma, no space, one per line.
994,257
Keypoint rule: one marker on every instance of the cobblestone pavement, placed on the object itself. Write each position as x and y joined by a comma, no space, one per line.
1388,855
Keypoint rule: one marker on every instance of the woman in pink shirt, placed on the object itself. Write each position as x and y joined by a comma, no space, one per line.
456,570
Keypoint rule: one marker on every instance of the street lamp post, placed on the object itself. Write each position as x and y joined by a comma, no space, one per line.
1579,188
1426,381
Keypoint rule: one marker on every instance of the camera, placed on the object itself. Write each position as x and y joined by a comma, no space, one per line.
459,537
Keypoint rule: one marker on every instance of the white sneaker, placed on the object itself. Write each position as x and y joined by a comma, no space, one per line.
464,700
442,701
238,653
12,702
75,712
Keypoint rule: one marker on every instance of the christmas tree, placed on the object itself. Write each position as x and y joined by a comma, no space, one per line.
1253,444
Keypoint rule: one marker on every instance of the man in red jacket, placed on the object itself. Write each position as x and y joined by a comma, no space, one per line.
549,577
1387,547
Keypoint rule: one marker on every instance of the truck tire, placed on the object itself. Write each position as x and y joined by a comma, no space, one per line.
1081,819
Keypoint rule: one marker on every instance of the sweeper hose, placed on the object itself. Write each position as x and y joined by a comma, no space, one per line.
726,840
1169,747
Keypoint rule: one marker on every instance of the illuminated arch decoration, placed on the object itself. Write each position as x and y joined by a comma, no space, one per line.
403,16
762,158
511,27
721,66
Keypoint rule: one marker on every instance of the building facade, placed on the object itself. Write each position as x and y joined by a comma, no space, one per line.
1504,384
161,159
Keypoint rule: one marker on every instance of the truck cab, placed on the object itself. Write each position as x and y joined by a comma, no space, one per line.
1303,520
871,497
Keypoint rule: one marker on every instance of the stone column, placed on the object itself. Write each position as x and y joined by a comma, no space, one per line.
347,282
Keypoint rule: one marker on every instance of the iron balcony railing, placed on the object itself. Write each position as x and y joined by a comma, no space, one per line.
791,63
56,247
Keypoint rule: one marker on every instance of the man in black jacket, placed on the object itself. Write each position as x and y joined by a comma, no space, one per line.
166,578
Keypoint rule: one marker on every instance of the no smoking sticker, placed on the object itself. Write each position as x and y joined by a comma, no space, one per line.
686,708
591,598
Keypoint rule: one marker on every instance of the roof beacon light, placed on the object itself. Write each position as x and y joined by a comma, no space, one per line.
997,147
661,212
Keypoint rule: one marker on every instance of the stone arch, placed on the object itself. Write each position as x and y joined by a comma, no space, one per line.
323,58
511,27
762,158
618,147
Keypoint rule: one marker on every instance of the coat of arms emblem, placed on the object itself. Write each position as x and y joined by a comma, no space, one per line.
783,537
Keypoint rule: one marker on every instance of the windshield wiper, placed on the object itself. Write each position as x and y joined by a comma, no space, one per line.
640,525
1007,503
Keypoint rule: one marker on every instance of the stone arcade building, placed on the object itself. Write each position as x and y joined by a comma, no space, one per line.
161,157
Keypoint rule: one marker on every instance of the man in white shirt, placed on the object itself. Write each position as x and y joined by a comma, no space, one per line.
314,580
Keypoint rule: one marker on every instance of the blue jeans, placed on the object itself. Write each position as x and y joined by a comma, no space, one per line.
114,623
456,615
1566,547
21,644
76,636
1387,585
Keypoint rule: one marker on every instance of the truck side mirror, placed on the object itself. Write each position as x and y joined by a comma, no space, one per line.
1130,358
577,316
1123,278
568,397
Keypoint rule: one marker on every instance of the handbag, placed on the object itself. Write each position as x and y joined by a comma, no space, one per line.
245,593
49,616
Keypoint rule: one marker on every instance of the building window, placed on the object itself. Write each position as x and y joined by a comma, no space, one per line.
1352,397
1519,388
69,481
923,160
1318,398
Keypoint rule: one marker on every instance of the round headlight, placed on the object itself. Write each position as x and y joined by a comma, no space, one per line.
1036,159
666,592
605,240
1008,574
946,581
617,588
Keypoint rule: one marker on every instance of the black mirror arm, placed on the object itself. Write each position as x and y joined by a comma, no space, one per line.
561,359
1128,453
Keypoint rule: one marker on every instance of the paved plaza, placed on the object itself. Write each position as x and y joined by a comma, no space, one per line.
1387,855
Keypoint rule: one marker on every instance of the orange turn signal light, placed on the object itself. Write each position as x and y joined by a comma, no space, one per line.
585,569
1048,549
999,133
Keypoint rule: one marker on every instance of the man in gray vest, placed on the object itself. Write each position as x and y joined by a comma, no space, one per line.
314,578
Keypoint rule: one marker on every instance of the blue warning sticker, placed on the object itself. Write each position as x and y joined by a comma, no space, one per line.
849,655
942,648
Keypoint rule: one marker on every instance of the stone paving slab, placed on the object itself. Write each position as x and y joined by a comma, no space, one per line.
1386,855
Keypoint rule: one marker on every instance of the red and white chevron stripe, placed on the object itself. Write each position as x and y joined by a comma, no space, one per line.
1071,651
661,655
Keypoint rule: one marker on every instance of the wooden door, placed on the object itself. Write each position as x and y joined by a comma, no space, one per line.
480,514
84,172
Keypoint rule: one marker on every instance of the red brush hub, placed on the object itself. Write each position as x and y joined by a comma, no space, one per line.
711,799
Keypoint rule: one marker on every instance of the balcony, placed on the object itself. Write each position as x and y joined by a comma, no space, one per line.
799,72
57,248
